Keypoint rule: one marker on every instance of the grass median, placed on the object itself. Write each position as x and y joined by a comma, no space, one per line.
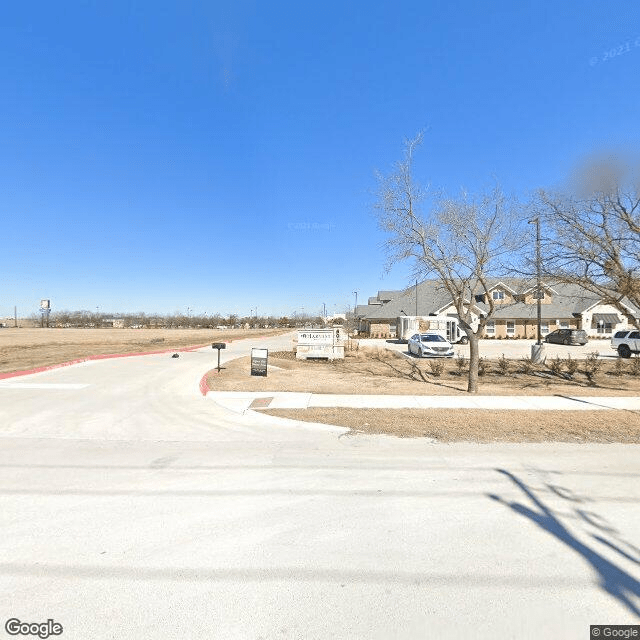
373,371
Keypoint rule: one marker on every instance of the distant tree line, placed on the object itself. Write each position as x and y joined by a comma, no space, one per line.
141,320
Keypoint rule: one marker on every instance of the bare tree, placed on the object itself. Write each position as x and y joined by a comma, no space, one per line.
592,234
461,242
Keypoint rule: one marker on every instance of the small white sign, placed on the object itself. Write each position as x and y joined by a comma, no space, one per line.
45,304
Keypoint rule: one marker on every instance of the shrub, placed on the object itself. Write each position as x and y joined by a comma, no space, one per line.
437,367
503,365
592,366
618,367
461,364
556,365
527,365
634,369
482,366
572,365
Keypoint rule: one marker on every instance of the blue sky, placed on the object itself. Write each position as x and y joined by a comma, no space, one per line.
220,156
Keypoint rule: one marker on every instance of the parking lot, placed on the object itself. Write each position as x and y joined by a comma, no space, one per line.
513,349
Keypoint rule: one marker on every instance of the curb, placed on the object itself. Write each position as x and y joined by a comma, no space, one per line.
100,356
204,386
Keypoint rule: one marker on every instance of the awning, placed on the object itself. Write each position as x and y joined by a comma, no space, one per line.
606,318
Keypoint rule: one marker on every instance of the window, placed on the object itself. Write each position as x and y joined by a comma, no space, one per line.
605,327
544,327
431,337
490,328
564,324
498,294
635,335
538,294
511,327
479,297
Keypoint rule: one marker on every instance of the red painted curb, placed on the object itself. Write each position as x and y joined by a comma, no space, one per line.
204,386
99,356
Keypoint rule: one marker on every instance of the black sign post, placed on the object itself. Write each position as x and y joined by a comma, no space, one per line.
218,346
259,362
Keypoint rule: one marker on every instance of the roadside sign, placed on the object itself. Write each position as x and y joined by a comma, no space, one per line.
259,362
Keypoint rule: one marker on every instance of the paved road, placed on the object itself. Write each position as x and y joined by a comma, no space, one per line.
134,508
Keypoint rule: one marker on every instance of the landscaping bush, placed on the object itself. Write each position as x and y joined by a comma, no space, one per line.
527,365
592,366
503,365
461,364
556,365
634,369
437,367
483,367
572,365
618,367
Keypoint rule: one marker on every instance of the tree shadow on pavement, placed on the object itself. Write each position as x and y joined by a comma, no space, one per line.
614,580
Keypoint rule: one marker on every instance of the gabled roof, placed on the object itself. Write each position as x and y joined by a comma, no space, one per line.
386,296
431,297
535,286
568,300
503,284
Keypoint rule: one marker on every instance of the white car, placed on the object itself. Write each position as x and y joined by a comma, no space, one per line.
430,345
626,342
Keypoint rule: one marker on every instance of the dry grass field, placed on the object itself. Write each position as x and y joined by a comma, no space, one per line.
373,371
27,348
478,425
386,372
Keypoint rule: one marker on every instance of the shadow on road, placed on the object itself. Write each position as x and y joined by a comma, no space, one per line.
614,580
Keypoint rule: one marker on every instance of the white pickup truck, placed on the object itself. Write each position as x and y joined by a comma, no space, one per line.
626,342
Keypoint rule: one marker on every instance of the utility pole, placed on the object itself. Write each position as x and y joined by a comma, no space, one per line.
537,349
355,310
538,278
15,316
416,298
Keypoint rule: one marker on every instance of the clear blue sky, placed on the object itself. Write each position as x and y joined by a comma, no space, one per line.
220,156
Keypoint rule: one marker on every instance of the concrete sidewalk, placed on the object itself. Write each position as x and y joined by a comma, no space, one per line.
241,401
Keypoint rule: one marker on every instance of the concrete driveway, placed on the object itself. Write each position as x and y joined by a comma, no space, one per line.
132,507
514,349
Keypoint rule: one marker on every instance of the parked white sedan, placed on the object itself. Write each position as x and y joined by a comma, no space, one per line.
430,345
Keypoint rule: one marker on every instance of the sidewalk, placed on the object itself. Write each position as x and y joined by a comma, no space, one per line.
241,401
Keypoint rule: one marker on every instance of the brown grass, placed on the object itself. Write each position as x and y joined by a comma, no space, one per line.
24,348
387,372
370,371
479,425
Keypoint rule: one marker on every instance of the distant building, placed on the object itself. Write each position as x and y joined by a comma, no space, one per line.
564,306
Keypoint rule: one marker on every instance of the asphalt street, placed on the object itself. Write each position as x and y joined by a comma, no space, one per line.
134,508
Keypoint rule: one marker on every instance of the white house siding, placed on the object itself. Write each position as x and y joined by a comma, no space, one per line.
588,323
